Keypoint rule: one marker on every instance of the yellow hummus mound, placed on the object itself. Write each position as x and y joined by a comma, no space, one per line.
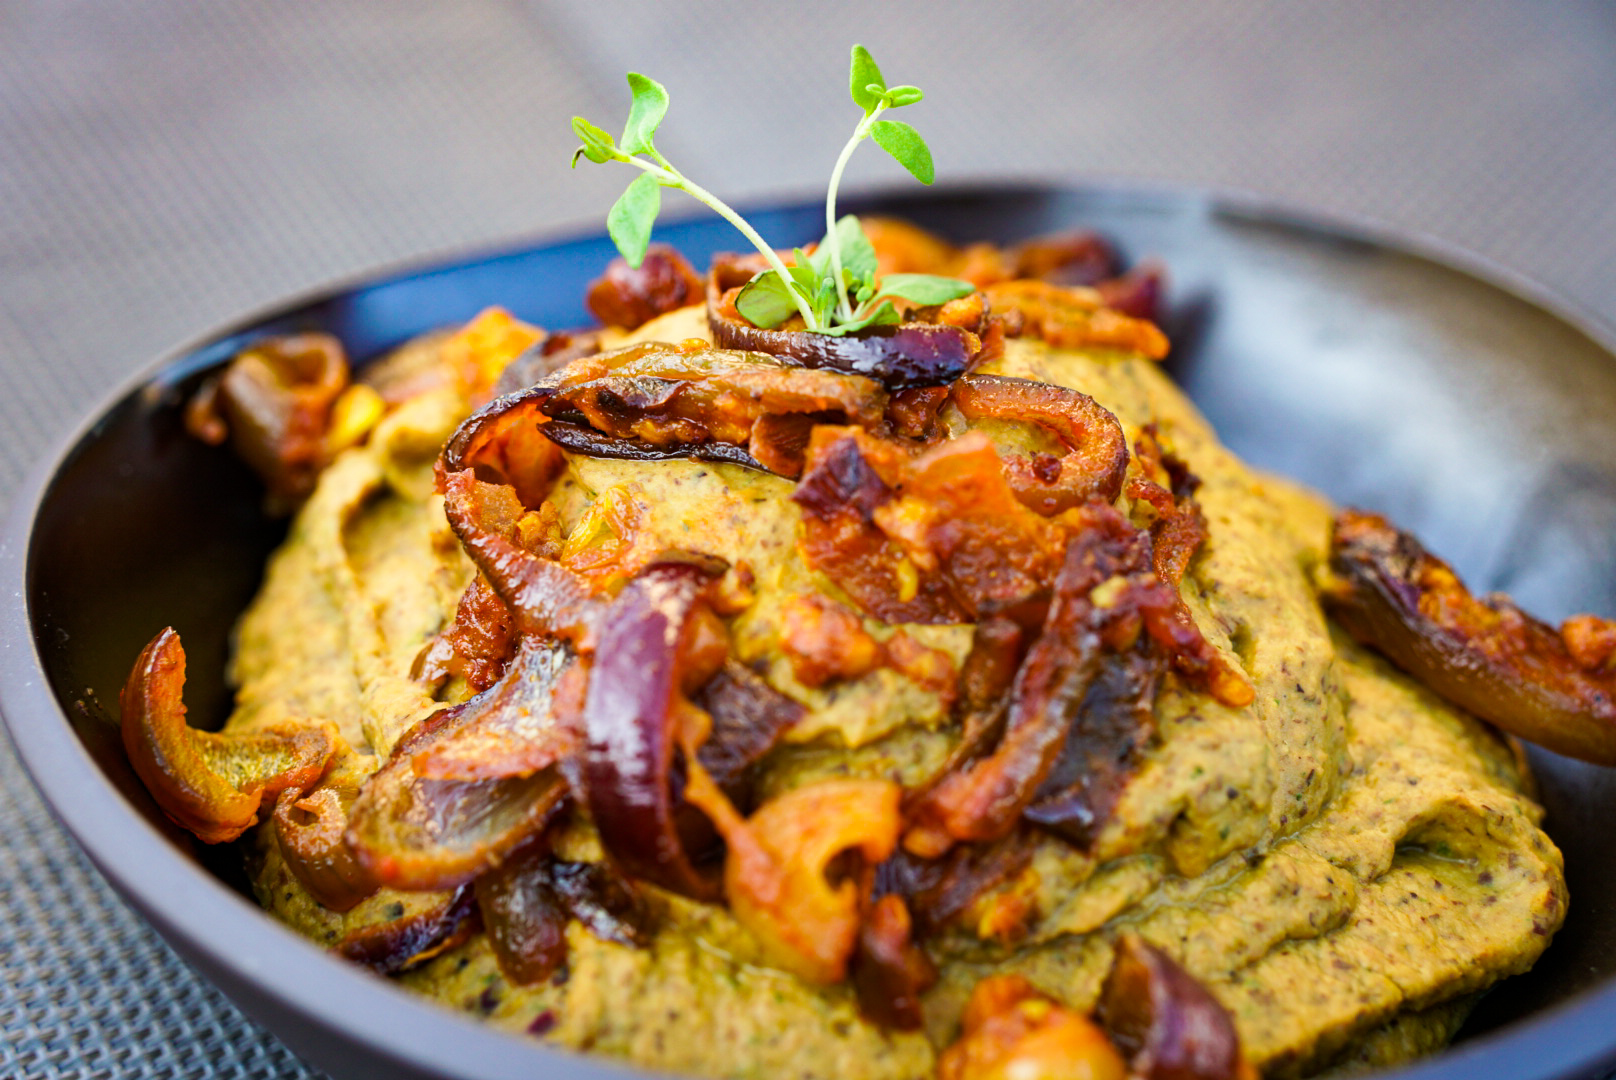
1345,863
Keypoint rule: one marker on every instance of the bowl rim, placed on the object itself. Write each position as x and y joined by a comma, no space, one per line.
203,916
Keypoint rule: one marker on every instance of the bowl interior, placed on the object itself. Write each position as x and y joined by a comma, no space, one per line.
1385,378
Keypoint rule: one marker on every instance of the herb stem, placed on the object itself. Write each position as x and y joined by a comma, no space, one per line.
831,237
664,171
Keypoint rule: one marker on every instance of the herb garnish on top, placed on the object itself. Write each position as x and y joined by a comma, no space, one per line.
835,290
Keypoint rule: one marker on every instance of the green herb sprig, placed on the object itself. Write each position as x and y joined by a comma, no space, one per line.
835,290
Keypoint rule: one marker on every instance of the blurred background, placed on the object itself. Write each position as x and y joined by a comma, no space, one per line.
166,164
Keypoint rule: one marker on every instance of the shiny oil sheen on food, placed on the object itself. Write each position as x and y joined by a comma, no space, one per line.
1345,862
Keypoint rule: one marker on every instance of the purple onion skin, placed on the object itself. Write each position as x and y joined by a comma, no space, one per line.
629,755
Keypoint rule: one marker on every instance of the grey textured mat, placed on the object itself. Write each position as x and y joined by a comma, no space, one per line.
164,165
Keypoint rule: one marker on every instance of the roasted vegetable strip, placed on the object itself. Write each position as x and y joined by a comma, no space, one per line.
1013,1032
629,297
890,970
1166,1023
211,784
1097,451
1484,655
273,403
402,943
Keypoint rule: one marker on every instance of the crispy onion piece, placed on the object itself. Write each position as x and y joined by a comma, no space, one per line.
273,403
629,297
659,641
1097,454
1103,746
399,944
476,646
776,875
985,799
544,598
1165,1021
656,399
310,831
1010,1030
1485,655
414,832
749,717
889,970
906,355
939,891
1073,318
956,545
546,358
208,782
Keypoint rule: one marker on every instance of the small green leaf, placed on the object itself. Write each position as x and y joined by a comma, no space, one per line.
766,301
884,315
924,289
598,145
899,96
862,77
864,293
904,143
858,256
650,105
629,222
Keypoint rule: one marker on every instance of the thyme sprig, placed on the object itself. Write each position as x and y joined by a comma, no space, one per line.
836,289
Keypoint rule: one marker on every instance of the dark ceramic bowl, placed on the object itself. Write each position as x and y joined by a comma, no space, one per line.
1387,371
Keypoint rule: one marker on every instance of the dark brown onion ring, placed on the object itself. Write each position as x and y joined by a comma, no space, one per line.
938,891
630,756
1164,1020
910,354
1486,656
309,830
629,297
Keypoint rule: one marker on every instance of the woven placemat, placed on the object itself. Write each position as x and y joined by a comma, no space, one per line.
165,165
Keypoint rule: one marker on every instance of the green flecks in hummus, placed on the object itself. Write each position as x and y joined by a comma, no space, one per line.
1345,862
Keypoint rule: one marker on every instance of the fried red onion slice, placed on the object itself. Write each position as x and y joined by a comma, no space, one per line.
1485,655
310,831
546,358
984,800
523,918
476,646
398,944
274,403
1103,746
210,783
416,833
544,598
909,354
648,658
889,970
581,439
1164,1021
692,399
1097,450
748,719
629,297
938,891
